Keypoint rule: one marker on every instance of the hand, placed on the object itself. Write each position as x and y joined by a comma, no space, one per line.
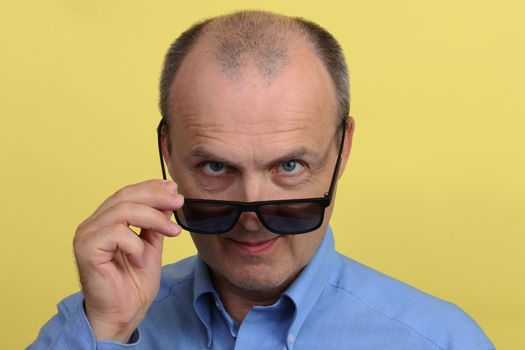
120,270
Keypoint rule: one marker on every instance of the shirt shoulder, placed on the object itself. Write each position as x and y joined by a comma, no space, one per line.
440,322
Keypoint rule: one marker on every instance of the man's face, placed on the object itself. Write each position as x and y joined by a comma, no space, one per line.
250,138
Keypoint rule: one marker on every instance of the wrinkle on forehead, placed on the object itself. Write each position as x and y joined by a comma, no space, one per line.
255,142
248,126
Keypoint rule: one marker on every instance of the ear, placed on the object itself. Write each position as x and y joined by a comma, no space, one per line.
349,135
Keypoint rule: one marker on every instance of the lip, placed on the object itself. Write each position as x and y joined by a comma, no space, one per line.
255,247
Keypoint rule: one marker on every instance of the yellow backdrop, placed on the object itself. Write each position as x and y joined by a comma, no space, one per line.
434,194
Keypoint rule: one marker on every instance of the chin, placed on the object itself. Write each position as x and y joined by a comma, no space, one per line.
260,278
256,285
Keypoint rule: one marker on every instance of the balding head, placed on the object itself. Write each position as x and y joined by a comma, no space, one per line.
251,38
260,40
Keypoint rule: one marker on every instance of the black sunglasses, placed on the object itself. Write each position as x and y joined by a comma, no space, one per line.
285,217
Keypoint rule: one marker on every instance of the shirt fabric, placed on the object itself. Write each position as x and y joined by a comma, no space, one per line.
335,303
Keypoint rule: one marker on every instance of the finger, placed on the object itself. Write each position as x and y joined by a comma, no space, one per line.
139,215
160,194
153,238
169,213
99,247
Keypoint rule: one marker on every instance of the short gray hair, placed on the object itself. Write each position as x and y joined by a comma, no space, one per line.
262,35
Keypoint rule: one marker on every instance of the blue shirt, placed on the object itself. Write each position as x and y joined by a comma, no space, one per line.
335,303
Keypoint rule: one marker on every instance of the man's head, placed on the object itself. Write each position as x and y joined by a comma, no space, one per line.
253,103
264,37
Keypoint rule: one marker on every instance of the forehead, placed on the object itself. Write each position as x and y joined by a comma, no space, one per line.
299,99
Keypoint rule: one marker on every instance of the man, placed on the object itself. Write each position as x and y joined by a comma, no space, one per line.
255,133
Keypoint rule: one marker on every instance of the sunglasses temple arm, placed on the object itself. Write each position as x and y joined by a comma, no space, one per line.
159,128
344,124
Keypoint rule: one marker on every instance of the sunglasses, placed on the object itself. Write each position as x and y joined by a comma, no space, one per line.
284,217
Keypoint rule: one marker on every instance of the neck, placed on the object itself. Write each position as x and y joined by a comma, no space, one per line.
238,301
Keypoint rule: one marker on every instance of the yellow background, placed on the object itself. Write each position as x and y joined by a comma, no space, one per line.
434,194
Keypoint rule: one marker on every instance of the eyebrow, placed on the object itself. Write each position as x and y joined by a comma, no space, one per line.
201,152
299,153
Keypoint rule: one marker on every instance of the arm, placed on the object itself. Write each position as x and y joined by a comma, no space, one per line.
68,329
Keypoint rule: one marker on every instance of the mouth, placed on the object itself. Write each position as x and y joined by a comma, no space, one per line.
254,247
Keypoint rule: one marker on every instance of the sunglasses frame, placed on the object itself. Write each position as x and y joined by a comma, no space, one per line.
242,207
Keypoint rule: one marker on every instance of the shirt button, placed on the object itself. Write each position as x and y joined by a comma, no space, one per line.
290,338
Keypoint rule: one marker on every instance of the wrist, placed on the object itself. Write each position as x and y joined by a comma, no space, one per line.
112,333
117,332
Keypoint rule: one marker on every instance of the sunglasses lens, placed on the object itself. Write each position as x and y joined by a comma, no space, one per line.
290,218
207,217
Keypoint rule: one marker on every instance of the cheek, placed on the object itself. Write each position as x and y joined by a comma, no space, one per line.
304,246
205,244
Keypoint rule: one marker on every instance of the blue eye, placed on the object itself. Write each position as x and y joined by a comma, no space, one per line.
291,166
213,168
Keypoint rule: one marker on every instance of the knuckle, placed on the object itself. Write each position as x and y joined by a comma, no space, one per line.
122,192
80,226
81,247
77,242
78,238
119,193
84,224
78,232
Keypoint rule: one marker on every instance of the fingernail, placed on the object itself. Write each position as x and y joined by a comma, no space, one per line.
170,186
180,198
174,227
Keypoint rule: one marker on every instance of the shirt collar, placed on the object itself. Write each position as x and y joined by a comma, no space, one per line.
308,286
303,292
203,292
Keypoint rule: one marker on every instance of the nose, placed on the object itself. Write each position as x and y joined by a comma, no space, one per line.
253,185
252,191
250,222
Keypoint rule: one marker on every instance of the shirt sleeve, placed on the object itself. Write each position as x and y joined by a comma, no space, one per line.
70,329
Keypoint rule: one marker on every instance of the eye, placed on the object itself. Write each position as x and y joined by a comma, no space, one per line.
290,167
214,168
